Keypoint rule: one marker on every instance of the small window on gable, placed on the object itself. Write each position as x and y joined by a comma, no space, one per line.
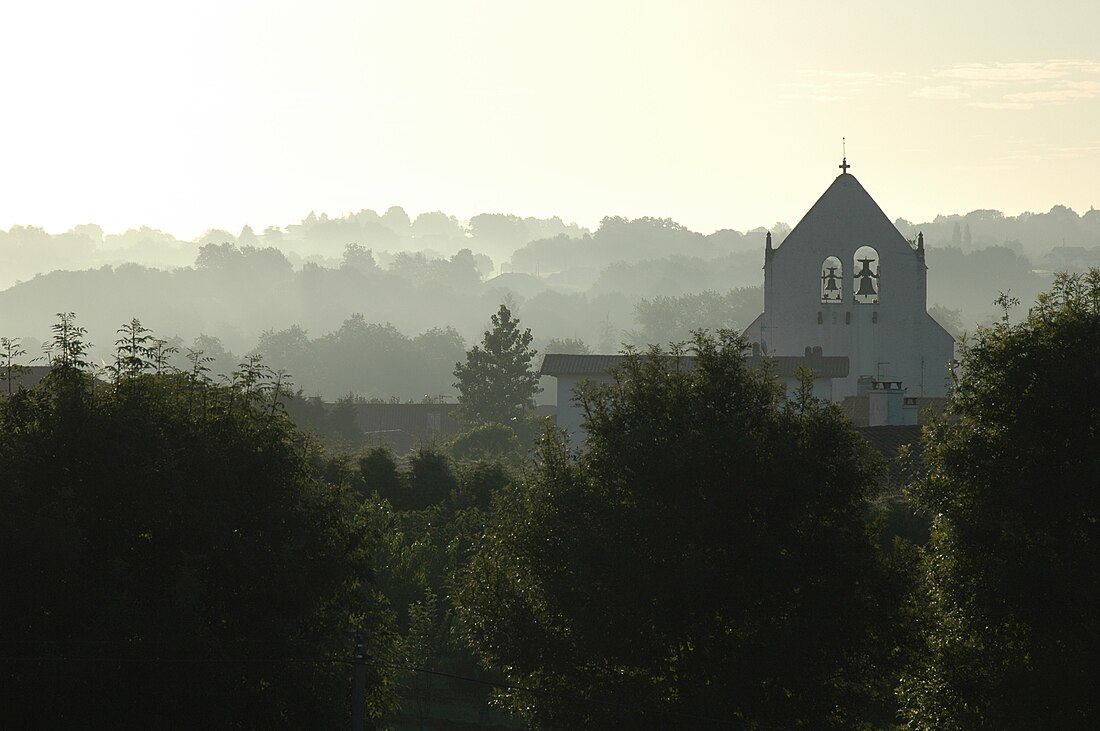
832,281
865,282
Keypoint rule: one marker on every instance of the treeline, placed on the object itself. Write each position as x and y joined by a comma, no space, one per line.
30,250
346,328
235,291
1038,236
148,557
620,239
1055,240
718,554
233,287
381,332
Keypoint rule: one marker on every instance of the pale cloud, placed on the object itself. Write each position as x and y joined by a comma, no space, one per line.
1021,85
824,85
1055,96
1080,151
1043,153
891,77
995,86
1061,92
855,78
843,76
811,93
1079,66
824,98
941,92
1001,105
1002,73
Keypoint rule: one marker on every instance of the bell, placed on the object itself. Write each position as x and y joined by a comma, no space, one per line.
830,280
866,277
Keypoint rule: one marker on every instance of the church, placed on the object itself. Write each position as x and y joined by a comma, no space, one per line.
846,283
845,298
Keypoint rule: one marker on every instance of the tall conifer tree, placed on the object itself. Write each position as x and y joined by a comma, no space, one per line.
497,383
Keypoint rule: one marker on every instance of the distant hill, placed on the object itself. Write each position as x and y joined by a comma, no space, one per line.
227,291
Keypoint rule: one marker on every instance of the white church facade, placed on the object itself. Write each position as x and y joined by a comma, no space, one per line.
846,283
845,299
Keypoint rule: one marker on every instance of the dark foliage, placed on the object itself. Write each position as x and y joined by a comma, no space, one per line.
430,511
706,563
1013,636
170,559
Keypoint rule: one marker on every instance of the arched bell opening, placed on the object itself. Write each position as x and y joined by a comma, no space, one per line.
832,281
866,285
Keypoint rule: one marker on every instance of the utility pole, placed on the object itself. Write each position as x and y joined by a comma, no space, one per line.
359,685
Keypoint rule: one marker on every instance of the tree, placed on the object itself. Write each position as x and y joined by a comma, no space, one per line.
705,562
431,477
133,351
665,320
171,558
11,350
499,232
378,474
487,441
567,345
396,220
497,384
1012,635
359,258
438,226
950,320
67,348
431,510
290,349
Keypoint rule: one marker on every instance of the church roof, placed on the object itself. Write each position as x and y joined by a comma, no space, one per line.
845,211
783,366
564,364
787,366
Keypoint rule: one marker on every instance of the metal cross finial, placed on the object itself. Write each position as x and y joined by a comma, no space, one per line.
844,161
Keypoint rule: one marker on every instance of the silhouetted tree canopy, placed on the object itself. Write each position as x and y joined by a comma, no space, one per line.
1013,636
567,345
171,560
706,561
665,320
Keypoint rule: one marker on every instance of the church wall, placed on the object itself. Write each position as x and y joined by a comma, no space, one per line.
893,338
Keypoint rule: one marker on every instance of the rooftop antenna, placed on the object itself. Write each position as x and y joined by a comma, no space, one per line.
844,157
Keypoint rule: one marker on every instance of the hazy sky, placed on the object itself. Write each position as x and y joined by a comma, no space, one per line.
717,113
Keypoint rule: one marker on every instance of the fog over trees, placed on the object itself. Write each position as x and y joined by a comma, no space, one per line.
380,304
184,556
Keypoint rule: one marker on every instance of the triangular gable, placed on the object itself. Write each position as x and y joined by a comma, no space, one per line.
846,211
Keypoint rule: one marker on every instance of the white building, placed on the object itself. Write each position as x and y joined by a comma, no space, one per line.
846,281
845,296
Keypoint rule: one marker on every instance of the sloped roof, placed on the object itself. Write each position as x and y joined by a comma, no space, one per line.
786,366
28,376
845,211
562,364
783,366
